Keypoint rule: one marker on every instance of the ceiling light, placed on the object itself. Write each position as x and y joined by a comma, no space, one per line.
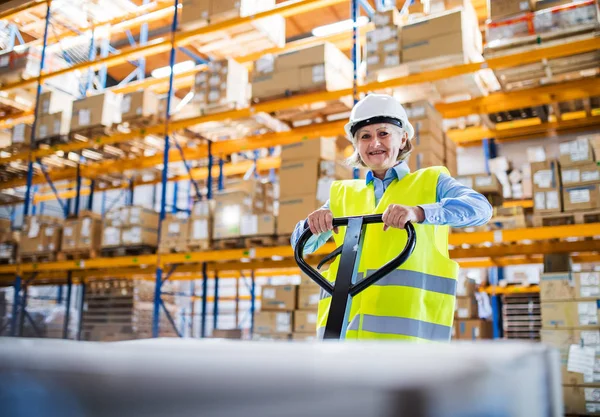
339,27
177,68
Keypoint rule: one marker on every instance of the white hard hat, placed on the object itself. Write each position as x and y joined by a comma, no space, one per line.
378,108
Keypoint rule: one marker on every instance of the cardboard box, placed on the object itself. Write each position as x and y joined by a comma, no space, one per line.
203,209
431,27
308,297
483,183
419,160
587,285
278,297
569,314
294,209
227,333
547,4
320,148
298,177
576,152
224,83
305,321
138,235
581,400
547,201
82,234
545,175
257,225
51,102
581,198
56,124
306,337
474,329
498,9
557,286
447,44
99,110
466,288
466,308
536,154
429,144
139,216
21,134
557,262
390,17
174,232
111,236
199,231
139,104
430,126
580,175
273,322
194,14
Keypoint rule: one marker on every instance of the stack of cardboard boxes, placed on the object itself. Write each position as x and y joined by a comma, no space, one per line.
223,85
198,13
384,43
307,170
200,225
138,105
130,226
318,68
275,320
305,315
100,110
54,115
83,234
244,209
486,184
580,175
174,233
467,324
21,135
41,237
569,184
571,323
431,146
8,242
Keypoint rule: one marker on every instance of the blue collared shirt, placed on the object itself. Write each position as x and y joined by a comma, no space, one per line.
456,205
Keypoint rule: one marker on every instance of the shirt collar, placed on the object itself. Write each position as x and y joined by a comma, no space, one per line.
398,171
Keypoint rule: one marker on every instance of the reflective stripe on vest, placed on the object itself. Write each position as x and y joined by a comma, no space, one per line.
414,302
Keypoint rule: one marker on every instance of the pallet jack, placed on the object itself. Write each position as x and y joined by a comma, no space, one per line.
344,287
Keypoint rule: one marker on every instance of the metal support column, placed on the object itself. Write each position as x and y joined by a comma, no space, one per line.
68,305
141,69
221,183
354,15
209,180
22,310
163,202
204,300
489,152
175,192
90,202
252,301
80,310
38,92
192,305
130,192
496,275
216,301
15,307
77,190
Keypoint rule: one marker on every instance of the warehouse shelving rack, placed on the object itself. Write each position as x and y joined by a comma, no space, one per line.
483,249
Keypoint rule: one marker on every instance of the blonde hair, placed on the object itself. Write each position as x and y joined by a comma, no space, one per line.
356,161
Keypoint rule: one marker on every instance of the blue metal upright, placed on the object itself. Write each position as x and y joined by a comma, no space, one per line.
496,275
209,179
489,152
68,305
204,299
216,302
81,304
221,182
78,190
252,301
90,202
163,202
33,127
15,307
354,14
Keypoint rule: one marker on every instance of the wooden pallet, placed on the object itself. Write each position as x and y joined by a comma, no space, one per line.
52,140
230,243
199,246
77,254
560,219
167,249
128,251
140,122
260,241
93,131
37,257
219,108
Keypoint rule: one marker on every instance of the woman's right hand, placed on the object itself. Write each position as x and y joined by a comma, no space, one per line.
321,221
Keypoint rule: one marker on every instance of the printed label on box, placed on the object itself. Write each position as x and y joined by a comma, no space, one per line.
318,73
463,313
49,232
214,95
543,178
590,175
134,215
43,131
483,181
591,338
524,6
570,176
579,196
126,104
587,313
314,299
200,229
372,60
68,231
390,47
85,227
56,127
581,360
466,181
592,394
46,106
539,200
268,293
4,60
591,291
552,200
311,318
84,117
174,228
392,60
249,225
214,80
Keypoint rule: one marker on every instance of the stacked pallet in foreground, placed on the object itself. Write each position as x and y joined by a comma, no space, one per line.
123,310
571,323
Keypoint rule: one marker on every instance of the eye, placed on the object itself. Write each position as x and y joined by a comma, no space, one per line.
383,134
365,136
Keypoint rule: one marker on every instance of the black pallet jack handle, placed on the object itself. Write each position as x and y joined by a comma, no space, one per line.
343,288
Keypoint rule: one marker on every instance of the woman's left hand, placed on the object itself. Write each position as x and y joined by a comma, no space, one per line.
397,215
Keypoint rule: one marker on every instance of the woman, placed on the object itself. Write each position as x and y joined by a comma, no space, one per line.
415,302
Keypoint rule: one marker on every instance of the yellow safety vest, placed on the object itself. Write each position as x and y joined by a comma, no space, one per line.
415,302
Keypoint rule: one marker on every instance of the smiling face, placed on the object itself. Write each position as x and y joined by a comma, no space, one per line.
379,145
